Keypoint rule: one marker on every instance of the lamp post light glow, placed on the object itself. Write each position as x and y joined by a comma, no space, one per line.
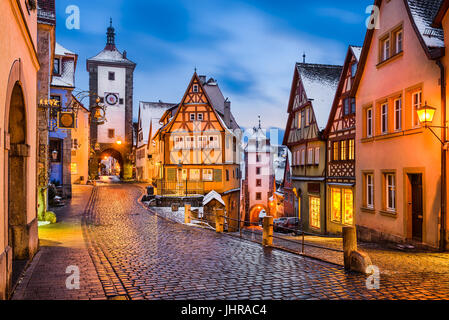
426,114
119,142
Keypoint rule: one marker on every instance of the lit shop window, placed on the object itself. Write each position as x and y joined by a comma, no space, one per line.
348,207
208,175
336,204
74,168
195,174
315,204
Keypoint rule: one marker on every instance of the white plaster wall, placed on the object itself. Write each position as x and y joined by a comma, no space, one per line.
115,115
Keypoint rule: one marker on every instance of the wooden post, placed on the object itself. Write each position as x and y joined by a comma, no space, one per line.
187,217
349,244
219,220
267,239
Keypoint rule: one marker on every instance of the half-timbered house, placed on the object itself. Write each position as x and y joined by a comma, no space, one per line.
195,151
340,136
312,94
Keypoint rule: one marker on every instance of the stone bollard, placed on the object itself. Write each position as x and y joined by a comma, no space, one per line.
349,245
187,217
267,239
219,221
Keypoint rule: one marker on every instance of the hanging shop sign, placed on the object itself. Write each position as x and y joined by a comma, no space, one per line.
66,120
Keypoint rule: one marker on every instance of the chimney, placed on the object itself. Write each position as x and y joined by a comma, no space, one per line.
125,55
227,113
202,79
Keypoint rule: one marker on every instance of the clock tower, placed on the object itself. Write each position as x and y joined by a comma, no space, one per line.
111,76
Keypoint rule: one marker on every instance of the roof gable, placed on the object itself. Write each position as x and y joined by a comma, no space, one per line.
320,83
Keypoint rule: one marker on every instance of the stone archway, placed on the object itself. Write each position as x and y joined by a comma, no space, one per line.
17,177
255,211
114,154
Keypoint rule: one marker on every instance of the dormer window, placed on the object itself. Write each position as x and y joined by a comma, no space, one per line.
195,88
57,67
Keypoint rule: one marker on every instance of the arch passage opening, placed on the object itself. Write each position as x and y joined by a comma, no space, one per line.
110,164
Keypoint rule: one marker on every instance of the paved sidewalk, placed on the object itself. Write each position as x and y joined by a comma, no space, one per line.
62,245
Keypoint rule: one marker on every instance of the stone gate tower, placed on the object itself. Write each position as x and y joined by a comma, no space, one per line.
111,76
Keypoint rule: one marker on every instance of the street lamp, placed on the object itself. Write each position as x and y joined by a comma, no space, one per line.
425,116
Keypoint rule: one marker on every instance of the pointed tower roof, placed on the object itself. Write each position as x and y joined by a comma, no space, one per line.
110,53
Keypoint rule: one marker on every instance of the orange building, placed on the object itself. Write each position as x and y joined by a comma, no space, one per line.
398,160
79,166
195,151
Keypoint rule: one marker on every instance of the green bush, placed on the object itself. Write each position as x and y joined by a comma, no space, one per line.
50,217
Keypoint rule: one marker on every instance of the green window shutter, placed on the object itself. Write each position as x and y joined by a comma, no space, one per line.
171,174
218,175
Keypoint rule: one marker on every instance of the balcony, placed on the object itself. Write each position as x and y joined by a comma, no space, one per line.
179,188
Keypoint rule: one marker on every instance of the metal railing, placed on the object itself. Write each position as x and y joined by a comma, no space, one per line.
301,243
179,188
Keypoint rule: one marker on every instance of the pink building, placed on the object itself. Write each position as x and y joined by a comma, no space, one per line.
259,176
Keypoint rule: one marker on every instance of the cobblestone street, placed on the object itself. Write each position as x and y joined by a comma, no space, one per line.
138,255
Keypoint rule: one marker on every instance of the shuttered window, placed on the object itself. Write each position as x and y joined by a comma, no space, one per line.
218,175
171,174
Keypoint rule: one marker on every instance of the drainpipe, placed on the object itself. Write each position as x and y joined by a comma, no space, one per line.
443,159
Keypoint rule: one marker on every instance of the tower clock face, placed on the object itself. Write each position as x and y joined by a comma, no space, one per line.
111,99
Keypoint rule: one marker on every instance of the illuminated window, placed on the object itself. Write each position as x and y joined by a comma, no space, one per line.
317,156
299,120
351,149
315,212
336,151
348,207
74,168
336,205
208,174
195,174
343,149
303,157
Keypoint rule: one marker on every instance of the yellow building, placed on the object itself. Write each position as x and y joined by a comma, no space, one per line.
195,151
80,146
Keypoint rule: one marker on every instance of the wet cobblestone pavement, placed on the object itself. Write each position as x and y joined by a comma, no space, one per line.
141,256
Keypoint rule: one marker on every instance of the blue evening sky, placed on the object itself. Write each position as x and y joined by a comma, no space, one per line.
249,46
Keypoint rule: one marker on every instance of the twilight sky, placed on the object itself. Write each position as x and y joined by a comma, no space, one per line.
249,46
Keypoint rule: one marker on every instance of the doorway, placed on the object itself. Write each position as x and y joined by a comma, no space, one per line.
415,203
17,180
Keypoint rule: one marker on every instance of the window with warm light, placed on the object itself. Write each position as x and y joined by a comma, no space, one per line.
348,207
343,152
195,174
351,152
317,156
336,205
315,212
74,168
310,156
336,151
208,174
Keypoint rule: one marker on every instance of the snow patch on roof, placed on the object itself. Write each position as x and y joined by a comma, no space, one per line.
213,195
61,51
113,55
423,13
320,83
151,112
357,51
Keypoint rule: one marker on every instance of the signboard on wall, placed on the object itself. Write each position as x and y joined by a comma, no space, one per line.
314,188
66,120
